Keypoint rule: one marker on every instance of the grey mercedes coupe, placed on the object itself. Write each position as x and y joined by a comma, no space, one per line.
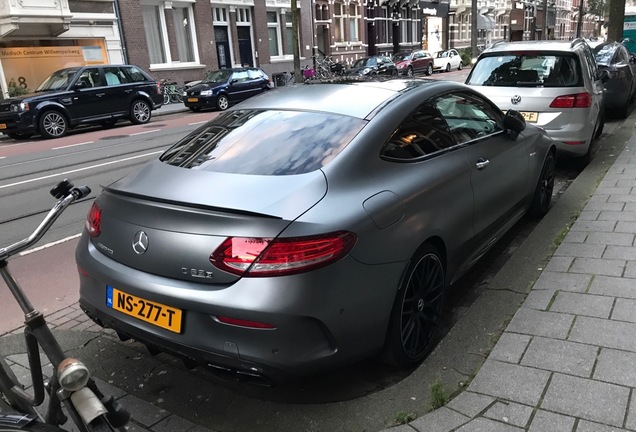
311,226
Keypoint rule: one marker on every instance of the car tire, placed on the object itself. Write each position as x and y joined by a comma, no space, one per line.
140,112
394,72
53,124
448,68
409,71
429,70
222,102
417,306
195,109
19,135
542,198
623,112
461,66
600,125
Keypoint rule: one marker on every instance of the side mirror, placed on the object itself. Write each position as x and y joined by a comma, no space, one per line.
514,122
603,75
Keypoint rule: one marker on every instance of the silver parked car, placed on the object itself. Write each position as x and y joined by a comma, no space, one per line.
295,233
554,84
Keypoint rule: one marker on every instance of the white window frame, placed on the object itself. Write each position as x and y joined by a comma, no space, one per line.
169,63
356,18
338,20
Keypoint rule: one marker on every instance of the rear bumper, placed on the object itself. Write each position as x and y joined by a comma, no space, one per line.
322,319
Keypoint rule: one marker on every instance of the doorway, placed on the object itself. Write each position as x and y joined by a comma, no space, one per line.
245,46
222,47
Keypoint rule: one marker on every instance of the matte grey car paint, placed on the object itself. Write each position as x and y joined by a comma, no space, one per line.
325,317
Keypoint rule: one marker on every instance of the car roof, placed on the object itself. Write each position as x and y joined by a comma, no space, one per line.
552,45
352,98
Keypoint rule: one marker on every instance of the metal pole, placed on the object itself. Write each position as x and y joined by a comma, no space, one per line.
473,28
295,42
579,24
545,20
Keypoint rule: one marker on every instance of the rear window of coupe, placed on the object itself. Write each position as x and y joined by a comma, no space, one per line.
265,142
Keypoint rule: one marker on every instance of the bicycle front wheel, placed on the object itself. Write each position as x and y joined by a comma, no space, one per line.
176,98
166,98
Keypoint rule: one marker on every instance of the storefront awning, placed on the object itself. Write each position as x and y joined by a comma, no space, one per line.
485,22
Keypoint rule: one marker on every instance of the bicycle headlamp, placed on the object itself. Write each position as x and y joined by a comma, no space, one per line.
72,374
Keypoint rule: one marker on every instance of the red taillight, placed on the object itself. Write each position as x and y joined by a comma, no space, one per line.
256,257
94,221
244,323
580,100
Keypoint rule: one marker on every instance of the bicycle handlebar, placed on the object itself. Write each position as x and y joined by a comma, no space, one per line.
66,194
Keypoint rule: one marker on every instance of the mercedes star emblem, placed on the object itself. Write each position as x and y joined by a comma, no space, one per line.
516,99
140,242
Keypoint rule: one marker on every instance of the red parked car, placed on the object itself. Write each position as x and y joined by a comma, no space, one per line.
412,62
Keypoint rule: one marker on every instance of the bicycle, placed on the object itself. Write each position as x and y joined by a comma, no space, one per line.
71,390
171,92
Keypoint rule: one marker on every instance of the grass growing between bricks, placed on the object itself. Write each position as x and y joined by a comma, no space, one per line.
404,418
439,398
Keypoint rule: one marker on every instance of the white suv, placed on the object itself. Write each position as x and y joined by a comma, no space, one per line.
554,84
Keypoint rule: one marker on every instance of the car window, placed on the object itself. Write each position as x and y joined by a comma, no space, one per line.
604,54
115,76
425,132
591,63
527,70
265,142
57,80
469,116
217,76
255,74
240,76
133,74
91,78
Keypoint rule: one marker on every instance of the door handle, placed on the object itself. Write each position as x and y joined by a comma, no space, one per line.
482,163
127,91
100,94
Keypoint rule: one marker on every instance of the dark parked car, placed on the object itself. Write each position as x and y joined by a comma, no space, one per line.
296,232
620,88
225,87
376,65
412,62
81,95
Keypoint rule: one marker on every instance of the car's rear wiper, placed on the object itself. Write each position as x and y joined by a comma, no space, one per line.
528,84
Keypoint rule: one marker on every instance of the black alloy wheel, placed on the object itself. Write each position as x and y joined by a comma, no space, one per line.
417,309
461,65
53,124
542,198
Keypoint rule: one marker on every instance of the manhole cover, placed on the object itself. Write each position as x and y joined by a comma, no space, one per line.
114,137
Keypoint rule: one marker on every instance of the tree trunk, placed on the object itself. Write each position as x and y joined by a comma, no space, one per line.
473,29
296,48
616,18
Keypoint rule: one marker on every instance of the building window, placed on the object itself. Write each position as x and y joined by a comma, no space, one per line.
289,35
220,15
354,22
338,21
273,34
180,20
243,16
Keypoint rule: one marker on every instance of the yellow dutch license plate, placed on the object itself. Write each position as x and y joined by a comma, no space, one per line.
151,312
193,99
3,126
531,117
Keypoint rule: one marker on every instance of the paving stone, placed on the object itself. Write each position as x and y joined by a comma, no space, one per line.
441,420
613,286
510,347
580,250
627,253
401,428
511,382
589,215
618,367
469,403
612,206
551,280
560,356
614,190
587,399
510,413
485,425
600,197
583,304
630,270
539,299
595,266
624,310
559,264
576,237
109,389
617,216
593,226
631,416
620,198
588,426
626,227
143,412
545,421
538,323
613,239
175,423
604,333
